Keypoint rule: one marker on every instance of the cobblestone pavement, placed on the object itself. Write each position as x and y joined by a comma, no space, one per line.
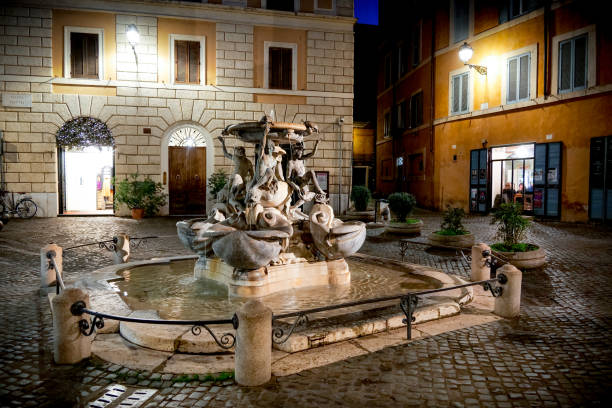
556,354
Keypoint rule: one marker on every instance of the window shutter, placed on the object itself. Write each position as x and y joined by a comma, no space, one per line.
280,68
455,95
419,110
565,65
194,62
512,79
523,92
91,56
580,62
180,55
84,55
464,93
76,55
416,45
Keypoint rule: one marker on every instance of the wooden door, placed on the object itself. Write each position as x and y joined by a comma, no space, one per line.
187,184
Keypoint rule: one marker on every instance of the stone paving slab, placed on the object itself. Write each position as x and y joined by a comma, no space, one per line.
556,354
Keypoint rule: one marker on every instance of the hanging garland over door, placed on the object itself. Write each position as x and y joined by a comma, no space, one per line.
84,132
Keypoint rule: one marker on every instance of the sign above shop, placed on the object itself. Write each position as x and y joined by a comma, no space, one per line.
17,100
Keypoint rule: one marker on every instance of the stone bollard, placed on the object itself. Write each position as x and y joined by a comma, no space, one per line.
509,303
47,273
69,345
253,355
122,249
480,264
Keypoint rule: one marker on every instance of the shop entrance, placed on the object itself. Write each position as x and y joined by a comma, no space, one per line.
512,175
527,174
87,180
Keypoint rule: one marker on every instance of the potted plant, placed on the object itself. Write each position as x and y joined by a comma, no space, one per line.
401,206
360,196
511,229
143,197
452,232
216,182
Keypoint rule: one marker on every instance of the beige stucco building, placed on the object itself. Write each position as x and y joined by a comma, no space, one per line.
195,68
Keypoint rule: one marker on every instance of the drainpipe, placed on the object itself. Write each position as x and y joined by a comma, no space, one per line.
432,98
339,123
546,39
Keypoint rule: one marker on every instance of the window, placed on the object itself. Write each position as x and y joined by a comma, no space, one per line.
83,51
280,65
187,62
282,5
324,5
416,110
573,64
518,78
416,44
83,55
401,114
188,59
460,20
387,125
402,59
388,70
460,93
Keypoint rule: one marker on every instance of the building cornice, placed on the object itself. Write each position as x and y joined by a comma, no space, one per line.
158,85
209,12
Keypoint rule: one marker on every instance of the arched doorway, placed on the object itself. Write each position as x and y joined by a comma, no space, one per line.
187,163
85,167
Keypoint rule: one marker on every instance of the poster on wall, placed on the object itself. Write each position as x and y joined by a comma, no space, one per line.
537,198
538,176
323,180
552,176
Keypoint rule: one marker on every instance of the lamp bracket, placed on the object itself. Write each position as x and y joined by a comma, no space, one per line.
479,68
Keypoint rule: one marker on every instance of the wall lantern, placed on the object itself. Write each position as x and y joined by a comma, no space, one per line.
133,36
465,54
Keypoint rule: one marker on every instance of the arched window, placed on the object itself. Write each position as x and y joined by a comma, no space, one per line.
187,136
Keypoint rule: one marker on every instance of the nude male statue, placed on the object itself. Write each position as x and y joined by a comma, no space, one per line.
298,177
269,168
242,165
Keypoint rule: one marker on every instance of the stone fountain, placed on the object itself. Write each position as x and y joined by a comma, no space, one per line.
256,239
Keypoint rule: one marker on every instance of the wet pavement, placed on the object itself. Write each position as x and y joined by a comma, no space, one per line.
556,354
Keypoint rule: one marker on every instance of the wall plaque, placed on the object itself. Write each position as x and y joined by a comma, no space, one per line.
17,100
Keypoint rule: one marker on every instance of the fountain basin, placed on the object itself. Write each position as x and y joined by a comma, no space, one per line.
372,277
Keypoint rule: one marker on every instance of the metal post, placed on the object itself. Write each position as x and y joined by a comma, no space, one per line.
408,305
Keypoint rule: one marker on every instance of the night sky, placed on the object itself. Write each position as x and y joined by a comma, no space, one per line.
366,11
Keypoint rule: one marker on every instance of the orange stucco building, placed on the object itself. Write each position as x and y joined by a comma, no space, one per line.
531,129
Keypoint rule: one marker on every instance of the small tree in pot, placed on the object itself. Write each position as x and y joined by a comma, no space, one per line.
452,232
360,195
512,229
143,197
401,205
216,182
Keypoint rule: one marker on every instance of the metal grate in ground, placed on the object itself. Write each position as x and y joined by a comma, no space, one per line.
117,395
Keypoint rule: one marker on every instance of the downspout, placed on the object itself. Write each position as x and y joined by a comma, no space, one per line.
340,122
432,99
546,39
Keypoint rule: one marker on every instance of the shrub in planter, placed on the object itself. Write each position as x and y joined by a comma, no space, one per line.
145,194
361,195
511,229
452,232
216,182
402,205
511,226
451,222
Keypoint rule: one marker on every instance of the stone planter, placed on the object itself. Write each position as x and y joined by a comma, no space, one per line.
458,241
525,260
404,228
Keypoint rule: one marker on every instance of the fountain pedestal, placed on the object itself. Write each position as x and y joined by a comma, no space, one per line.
269,279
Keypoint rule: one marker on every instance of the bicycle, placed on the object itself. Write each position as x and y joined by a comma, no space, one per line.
25,207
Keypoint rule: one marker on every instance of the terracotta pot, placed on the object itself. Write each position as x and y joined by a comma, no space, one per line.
137,213
404,228
457,241
525,260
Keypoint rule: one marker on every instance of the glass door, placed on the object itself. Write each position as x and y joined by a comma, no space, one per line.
512,175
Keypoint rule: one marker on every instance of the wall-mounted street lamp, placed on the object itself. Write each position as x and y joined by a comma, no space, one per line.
132,34
465,54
